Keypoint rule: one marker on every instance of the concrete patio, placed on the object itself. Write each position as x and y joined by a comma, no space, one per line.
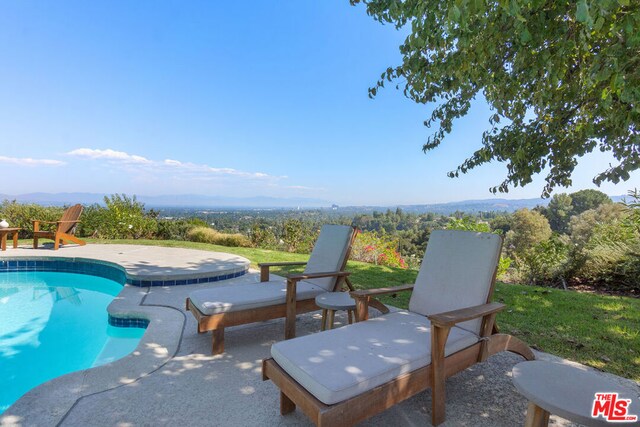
172,378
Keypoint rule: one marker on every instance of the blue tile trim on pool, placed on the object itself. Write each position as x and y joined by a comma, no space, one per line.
78,267
126,322
109,272
173,282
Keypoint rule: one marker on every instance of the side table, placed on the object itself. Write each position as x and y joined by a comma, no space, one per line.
332,301
4,232
569,392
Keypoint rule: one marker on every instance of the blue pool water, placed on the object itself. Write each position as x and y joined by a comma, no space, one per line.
55,323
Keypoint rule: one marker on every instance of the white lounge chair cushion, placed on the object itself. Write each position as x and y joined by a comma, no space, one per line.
345,362
328,253
226,299
456,272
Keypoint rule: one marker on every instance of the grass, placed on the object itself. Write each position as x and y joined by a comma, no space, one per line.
596,330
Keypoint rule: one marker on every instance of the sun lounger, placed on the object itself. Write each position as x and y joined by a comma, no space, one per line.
345,375
219,307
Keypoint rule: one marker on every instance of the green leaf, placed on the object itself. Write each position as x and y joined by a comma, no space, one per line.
582,12
599,23
454,13
525,36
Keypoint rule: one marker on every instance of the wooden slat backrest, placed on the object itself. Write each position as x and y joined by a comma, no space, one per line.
72,213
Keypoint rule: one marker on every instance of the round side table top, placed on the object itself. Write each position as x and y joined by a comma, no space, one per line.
336,301
569,391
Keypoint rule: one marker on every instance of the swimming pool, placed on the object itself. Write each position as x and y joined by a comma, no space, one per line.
53,323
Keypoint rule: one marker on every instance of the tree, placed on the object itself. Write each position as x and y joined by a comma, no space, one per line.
562,79
559,212
584,225
528,228
584,200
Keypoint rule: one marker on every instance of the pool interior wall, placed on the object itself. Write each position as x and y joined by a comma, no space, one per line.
53,323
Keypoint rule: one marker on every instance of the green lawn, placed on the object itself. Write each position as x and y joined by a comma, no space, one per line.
596,330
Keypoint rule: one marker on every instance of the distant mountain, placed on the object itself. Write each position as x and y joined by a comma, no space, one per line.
183,200
467,206
475,206
201,201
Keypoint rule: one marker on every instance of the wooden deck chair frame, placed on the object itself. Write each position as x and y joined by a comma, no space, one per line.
64,229
433,376
292,307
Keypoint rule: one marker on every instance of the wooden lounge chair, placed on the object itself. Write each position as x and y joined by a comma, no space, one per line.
345,375
64,229
219,307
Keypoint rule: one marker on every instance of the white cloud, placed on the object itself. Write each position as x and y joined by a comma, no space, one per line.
30,162
302,187
109,154
179,169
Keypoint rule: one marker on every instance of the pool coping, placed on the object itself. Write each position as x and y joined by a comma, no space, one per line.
159,344
37,263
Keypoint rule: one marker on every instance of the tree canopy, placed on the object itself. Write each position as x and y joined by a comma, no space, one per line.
562,78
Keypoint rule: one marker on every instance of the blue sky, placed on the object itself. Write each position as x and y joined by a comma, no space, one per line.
224,98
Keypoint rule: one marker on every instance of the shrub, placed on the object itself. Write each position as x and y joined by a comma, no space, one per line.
298,237
608,252
544,262
468,224
262,236
528,228
209,235
177,229
123,218
21,215
377,249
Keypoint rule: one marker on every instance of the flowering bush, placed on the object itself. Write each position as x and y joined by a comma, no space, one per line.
377,249
123,218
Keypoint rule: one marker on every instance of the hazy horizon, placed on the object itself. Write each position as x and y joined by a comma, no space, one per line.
195,201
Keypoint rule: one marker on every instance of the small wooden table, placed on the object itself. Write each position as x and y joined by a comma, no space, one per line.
567,391
4,232
332,301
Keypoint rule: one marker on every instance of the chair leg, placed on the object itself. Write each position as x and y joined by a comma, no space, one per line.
35,243
286,405
438,340
217,341
350,316
536,416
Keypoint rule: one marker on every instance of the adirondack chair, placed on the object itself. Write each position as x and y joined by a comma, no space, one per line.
219,307
345,375
63,231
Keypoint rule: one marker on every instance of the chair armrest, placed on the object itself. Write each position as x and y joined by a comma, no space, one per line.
63,222
363,293
281,264
305,276
365,297
264,267
450,318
